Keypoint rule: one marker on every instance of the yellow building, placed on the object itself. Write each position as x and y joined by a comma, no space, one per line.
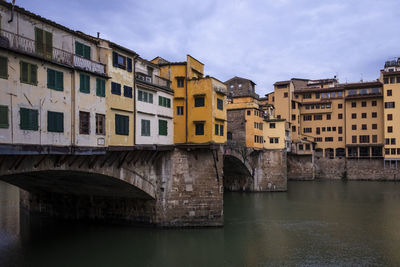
199,102
119,94
390,76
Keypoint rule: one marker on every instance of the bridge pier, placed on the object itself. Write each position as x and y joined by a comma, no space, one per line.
179,187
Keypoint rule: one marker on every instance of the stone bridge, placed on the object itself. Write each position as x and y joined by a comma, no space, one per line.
253,170
162,186
167,186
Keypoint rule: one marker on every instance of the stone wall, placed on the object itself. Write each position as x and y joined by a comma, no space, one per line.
300,167
271,171
307,168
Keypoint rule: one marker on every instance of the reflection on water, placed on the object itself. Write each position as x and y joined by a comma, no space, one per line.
314,223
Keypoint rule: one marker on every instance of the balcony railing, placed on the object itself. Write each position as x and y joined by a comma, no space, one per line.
31,47
156,80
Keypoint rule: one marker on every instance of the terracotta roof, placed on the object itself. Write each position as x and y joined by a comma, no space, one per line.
240,78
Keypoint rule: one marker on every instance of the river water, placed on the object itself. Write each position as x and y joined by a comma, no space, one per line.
313,224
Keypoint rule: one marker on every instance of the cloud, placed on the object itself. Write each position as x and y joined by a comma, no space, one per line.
264,41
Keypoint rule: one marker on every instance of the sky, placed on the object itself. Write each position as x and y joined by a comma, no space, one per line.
264,41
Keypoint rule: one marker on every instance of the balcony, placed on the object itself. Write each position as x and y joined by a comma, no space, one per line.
156,80
364,93
28,46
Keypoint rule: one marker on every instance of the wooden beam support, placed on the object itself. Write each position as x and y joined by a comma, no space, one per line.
19,162
91,164
123,160
106,159
73,161
40,161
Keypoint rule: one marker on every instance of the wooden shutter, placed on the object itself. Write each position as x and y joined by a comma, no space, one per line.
34,119
3,116
100,87
115,59
160,100
51,79
4,67
48,44
24,72
39,41
129,60
162,127
143,128
78,48
151,98
59,80
87,83
86,51
33,79
23,119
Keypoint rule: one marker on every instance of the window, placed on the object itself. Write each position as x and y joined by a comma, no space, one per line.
389,117
199,128
340,138
328,139
28,73
307,117
82,50
340,116
354,115
220,104
272,125
307,96
199,101
340,129
392,79
240,85
364,115
221,130
317,95
393,151
55,122
389,93
389,105
293,105
145,131
307,130
334,129
392,141
179,110
100,124
354,139
390,129
318,139
354,127
374,138
145,97
248,113
55,80
363,127
374,126
121,124
216,129
293,117
318,117
84,83
163,127
293,128
28,119
122,62
115,88
374,103
100,87
256,125
374,114
4,67
323,129
180,82
363,103
318,130
328,116
229,135
340,105
84,122
385,80
364,139
43,43
164,102
285,94
328,129
353,104
3,116
127,91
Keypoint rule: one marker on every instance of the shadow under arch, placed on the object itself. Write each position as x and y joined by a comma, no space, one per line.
237,176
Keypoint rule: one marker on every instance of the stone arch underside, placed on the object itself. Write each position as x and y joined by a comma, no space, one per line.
237,176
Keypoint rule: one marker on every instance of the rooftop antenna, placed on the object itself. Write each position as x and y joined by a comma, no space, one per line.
361,78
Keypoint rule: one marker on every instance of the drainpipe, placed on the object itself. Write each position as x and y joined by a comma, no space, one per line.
186,102
134,100
73,108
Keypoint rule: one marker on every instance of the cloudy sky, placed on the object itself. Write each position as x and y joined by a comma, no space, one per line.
265,41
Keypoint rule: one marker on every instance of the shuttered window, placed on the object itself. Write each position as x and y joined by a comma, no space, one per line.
115,88
84,122
129,61
28,119
121,124
145,128
199,101
220,104
145,96
28,73
164,102
162,127
199,128
127,91
82,50
84,83
44,43
216,129
55,80
100,87
3,116
3,67
221,130
55,122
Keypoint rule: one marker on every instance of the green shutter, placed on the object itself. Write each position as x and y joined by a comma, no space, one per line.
59,80
168,103
24,72
33,79
3,116
86,51
162,127
28,119
48,40
84,81
100,87
151,98
55,122
78,48
160,100
51,79
4,67
39,41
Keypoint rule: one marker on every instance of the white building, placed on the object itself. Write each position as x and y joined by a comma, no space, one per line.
154,106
